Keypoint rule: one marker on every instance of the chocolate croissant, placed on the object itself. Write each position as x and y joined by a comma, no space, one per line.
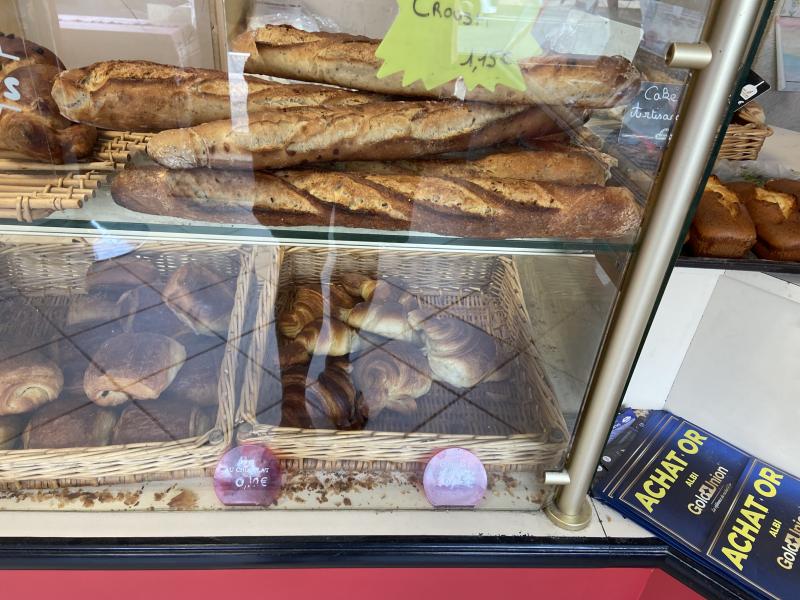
72,422
459,353
116,276
201,298
133,366
327,402
161,422
392,377
11,428
143,310
27,382
309,304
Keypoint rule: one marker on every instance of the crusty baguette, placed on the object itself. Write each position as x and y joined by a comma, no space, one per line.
474,207
562,166
145,96
350,61
288,137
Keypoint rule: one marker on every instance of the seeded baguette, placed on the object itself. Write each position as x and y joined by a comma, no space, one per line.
474,207
281,138
350,61
561,166
139,95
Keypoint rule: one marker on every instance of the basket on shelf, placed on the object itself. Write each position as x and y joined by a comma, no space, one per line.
513,425
41,278
744,141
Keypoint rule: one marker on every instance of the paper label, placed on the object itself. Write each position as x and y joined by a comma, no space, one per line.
477,41
454,477
247,476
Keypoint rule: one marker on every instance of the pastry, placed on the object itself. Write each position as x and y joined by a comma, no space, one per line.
478,207
137,95
281,138
198,380
27,382
321,337
459,353
722,227
142,309
11,428
88,311
201,298
310,303
327,401
133,366
163,421
392,377
70,422
115,276
568,165
350,61
777,219
34,126
785,186
388,319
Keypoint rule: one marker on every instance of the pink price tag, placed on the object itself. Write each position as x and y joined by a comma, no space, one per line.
454,477
248,476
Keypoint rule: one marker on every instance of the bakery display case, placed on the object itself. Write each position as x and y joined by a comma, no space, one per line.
280,255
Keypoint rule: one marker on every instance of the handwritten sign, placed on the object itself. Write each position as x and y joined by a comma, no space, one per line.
476,41
454,477
651,114
10,85
247,476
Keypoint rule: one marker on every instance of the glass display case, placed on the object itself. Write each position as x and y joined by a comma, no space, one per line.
247,263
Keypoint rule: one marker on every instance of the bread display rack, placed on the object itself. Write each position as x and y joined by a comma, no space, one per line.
517,427
45,276
31,190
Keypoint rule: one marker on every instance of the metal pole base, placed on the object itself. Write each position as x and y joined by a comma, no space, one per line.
569,522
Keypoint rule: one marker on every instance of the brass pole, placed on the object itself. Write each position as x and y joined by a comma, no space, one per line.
731,23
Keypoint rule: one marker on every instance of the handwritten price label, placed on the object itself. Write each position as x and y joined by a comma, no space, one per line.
478,41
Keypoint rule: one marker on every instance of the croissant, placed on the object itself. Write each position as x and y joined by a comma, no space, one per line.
323,337
308,305
459,353
392,377
388,319
376,290
27,382
359,286
329,402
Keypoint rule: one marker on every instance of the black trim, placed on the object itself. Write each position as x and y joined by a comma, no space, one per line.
364,552
740,264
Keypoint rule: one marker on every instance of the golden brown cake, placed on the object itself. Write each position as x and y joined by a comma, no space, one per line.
722,226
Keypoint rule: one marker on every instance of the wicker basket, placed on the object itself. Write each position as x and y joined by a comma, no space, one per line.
44,277
744,142
511,425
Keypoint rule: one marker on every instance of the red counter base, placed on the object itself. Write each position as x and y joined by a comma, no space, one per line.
348,584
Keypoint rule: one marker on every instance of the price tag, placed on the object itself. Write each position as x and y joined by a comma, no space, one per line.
651,114
454,477
477,41
247,476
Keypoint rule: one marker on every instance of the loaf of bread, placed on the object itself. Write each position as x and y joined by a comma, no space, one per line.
162,421
27,382
309,304
777,219
722,227
458,352
201,298
327,401
476,207
556,166
71,422
145,96
392,377
280,138
115,276
133,366
350,61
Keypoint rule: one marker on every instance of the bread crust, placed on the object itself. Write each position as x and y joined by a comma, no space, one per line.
281,138
350,61
477,207
145,96
722,226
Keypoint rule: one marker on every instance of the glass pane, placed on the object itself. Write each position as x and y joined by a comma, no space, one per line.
237,247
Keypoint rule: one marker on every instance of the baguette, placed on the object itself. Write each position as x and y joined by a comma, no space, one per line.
350,61
281,138
467,207
562,166
145,96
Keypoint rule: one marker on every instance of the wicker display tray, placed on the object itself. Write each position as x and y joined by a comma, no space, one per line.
31,190
42,278
743,142
515,424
